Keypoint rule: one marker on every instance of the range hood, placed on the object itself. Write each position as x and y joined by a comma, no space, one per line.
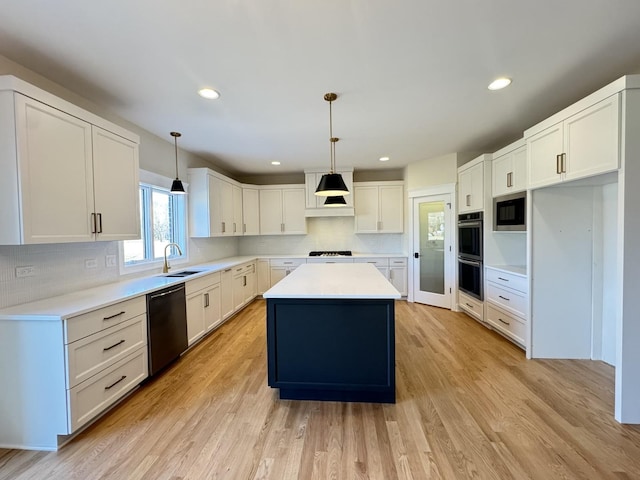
315,205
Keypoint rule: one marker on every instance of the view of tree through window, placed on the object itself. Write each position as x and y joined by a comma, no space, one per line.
162,221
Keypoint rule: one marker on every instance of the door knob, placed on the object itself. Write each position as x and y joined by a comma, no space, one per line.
416,255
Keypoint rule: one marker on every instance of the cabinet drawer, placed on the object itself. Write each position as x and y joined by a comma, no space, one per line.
398,262
470,305
90,398
89,355
510,300
88,323
507,279
378,262
201,283
508,324
287,262
244,269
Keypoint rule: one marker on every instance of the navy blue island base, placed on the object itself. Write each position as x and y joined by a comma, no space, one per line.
332,349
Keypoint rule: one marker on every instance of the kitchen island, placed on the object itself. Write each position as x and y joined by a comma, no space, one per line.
331,334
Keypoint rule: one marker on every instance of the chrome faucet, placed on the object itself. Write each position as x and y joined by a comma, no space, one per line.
166,267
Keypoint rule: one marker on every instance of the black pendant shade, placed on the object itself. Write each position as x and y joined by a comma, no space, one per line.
331,185
338,201
177,187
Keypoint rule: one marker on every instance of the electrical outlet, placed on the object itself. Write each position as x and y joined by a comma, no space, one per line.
110,260
27,271
91,263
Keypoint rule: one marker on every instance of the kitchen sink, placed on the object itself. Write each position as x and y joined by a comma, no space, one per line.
184,273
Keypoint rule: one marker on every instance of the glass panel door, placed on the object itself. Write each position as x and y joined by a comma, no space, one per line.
432,244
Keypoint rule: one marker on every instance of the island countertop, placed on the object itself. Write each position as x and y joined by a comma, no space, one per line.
336,280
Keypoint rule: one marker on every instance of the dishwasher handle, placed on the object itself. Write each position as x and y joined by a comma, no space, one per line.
169,292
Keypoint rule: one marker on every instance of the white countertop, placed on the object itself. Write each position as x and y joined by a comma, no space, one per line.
334,280
516,269
83,301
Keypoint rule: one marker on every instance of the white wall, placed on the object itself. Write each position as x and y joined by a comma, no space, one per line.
432,172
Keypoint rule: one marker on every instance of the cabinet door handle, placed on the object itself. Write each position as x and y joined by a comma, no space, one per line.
234,227
244,228
113,316
503,279
100,223
468,200
93,223
115,383
559,164
206,300
244,278
223,227
510,179
469,305
564,163
113,346
504,298
501,320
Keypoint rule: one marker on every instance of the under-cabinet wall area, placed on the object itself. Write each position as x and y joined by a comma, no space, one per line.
573,270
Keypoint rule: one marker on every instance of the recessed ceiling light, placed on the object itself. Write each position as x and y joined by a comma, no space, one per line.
275,163
499,83
384,159
209,93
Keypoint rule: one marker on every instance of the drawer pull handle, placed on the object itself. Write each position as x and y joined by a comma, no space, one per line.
115,383
501,320
469,305
504,298
503,279
113,346
113,316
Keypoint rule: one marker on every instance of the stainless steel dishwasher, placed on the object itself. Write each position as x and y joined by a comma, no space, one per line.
167,326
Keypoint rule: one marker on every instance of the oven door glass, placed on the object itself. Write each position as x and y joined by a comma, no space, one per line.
470,277
470,240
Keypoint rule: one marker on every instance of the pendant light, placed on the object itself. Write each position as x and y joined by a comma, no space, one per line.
338,201
176,186
331,184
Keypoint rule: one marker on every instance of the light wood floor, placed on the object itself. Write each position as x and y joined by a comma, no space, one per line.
469,406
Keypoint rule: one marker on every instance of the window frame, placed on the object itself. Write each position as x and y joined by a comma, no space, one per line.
149,182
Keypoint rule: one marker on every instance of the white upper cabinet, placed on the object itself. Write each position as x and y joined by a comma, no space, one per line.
115,169
582,145
282,210
315,204
509,169
250,211
65,178
215,205
379,207
471,185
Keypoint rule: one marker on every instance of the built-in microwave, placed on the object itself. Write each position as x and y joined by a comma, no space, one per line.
510,213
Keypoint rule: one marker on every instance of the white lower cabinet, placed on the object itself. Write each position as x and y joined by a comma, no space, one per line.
90,398
471,306
244,284
226,292
398,274
281,267
507,300
65,372
203,306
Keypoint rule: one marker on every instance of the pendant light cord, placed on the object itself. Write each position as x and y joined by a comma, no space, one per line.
175,142
332,144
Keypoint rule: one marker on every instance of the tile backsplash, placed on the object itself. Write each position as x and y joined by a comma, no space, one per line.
59,269
324,233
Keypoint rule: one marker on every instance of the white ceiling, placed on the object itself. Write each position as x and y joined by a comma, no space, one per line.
411,75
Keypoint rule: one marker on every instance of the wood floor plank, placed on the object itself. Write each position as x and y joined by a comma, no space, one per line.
469,406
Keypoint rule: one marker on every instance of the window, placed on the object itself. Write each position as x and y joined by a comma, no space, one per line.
162,221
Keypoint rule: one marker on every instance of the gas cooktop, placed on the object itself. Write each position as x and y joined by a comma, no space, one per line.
328,253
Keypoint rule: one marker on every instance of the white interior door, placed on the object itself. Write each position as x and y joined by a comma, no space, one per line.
433,252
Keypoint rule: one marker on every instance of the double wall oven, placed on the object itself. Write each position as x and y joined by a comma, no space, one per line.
470,254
